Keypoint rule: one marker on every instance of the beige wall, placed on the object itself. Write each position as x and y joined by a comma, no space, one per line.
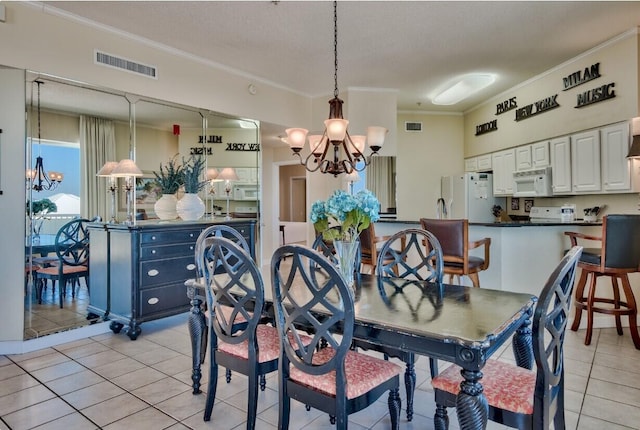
618,60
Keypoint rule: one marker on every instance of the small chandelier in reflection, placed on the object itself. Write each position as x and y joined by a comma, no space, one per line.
351,148
38,178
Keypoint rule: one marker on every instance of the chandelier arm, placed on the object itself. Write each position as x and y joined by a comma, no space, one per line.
357,154
306,162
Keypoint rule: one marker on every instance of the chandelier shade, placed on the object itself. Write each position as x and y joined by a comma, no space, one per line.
348,151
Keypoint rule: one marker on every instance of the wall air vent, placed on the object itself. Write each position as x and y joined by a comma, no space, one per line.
125,64
413,126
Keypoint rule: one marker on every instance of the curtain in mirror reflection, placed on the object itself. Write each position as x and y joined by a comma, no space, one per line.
381,181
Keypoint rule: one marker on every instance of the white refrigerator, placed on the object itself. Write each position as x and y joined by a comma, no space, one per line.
469,195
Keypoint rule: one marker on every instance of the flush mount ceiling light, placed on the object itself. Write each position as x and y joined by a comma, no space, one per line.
465,87
335,151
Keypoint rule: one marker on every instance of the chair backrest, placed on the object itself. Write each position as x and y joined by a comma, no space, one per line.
549,323
621,241
238,286
415,253
72,242
310,294
453,235
367,239
216,231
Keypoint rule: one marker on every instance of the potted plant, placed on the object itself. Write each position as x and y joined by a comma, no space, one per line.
496,210
170,178
191,207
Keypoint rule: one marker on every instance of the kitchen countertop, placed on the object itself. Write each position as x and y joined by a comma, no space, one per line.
505,224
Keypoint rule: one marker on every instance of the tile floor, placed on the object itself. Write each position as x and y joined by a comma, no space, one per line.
111,382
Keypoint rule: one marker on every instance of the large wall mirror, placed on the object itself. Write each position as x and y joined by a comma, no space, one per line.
73,128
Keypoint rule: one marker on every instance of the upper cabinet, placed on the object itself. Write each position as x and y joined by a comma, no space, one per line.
504,164
481,163
585,162
560,149
471,164
616,173
532,156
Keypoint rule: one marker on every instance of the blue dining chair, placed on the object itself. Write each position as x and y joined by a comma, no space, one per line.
239,340
408,254
310,296
518,397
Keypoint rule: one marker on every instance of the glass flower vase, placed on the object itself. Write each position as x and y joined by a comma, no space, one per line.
346,251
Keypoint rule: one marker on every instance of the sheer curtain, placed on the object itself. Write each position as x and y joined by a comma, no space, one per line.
97,146
381,180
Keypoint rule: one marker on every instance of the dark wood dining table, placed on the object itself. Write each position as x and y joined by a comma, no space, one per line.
458,324
41,245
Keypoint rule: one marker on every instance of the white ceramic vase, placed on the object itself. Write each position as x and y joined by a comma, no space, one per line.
190,207
165,207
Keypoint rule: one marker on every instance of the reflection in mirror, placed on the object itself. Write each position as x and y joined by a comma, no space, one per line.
75,117
381,180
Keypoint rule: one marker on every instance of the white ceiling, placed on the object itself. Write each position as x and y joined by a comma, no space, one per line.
414,47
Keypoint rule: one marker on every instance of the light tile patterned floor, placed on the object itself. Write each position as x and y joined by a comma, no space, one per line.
111,382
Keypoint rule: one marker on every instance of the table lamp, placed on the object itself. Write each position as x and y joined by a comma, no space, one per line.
212,176
128,170
105,172
228,174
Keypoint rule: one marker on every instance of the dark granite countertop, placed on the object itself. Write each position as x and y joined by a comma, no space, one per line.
504,224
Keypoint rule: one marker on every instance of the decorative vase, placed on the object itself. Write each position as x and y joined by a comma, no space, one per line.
165,207
190,207
346,252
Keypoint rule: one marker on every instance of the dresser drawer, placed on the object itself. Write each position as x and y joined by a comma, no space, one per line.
167,237
154,252
161,299
164,271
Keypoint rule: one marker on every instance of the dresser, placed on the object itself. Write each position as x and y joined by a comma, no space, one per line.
137,272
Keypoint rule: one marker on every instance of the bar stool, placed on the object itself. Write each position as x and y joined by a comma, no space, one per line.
618,255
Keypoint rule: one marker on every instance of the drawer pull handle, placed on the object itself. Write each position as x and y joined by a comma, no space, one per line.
153,272
191,248
191,266
190,234
153,251
153,238
153,301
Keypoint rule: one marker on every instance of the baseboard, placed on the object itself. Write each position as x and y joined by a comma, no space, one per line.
24,346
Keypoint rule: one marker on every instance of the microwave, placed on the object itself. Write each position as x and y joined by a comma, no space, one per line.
532,183
245,192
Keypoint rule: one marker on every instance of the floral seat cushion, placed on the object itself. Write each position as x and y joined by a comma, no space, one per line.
363,373
268,345
506,386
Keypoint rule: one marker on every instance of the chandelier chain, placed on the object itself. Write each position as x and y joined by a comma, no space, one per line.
335,48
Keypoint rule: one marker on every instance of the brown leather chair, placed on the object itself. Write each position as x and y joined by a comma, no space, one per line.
618,255
453,235
368,247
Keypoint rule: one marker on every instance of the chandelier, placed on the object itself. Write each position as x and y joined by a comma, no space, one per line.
38,178
327,157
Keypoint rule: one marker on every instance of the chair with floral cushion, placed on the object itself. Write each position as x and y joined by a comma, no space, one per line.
408,257
519,397
310,292
235,299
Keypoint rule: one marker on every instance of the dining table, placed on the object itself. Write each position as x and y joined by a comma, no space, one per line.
457,324
42,244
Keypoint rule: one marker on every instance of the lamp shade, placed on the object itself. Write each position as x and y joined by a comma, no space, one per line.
126,168
358,143
336,128
296,138
317,144
228,174
352,177
375,137
106,170
212,173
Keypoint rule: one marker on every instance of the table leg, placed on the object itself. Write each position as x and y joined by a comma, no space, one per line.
522,344
471,404
198,334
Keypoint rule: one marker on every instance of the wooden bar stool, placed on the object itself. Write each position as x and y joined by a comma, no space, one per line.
618,256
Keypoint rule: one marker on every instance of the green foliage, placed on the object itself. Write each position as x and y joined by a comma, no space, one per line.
41,207
192,170
170,177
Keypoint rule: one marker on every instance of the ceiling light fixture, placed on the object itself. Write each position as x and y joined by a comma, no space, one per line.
335,132
38,178
463,88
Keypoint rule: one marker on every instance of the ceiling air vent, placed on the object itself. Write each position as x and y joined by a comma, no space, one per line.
413,126
124,64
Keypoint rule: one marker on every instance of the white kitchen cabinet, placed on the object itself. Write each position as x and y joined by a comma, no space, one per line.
523,158
560,151
504,164
585,162
540,154
616,173
471,164
484,163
